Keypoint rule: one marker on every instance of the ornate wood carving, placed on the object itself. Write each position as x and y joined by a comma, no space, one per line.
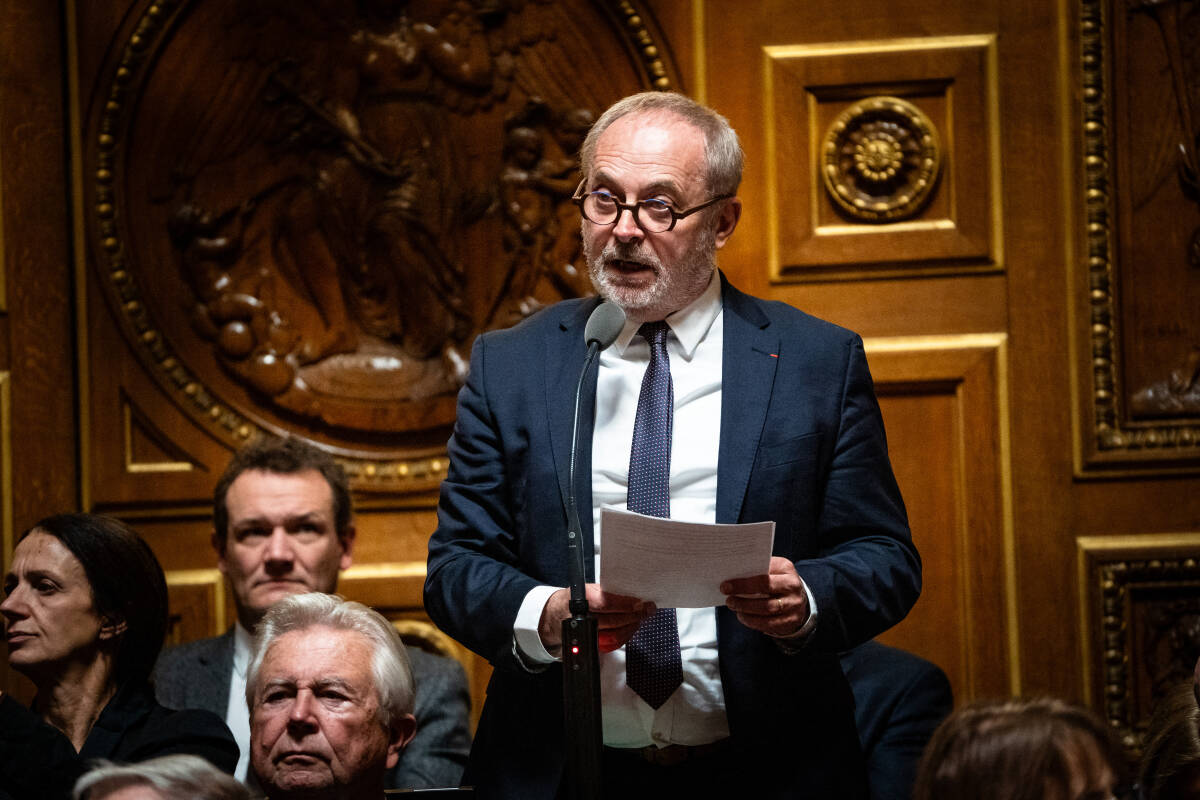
1142,597
1142,230
881,159
303,213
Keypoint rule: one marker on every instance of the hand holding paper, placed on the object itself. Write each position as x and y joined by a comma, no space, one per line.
679,564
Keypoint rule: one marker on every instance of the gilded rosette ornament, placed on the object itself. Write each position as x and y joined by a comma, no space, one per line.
880,160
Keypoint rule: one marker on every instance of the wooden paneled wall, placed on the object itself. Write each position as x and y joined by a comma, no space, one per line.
1016,351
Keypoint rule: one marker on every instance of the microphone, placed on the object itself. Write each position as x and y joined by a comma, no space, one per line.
604,326
581,658
601,330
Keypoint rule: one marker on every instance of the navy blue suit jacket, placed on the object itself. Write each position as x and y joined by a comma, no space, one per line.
801,443
900,699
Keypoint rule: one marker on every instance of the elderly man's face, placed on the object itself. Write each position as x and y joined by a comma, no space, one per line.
654,156
314,718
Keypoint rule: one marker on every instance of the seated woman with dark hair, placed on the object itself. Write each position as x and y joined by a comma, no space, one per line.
1170,767
85,615
1021,750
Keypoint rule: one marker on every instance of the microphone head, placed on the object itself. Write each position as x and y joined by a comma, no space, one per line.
604,325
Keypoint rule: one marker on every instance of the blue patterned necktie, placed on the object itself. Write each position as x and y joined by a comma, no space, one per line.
653,667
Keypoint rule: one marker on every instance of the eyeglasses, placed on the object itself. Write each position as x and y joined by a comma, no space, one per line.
652,216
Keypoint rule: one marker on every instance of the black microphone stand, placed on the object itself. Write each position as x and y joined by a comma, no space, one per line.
581,659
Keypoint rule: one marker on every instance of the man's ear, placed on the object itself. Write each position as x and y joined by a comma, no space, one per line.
400,733
112,629
218,544
346,537
731,212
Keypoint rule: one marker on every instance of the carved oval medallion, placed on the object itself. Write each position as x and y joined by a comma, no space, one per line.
880,160
303,213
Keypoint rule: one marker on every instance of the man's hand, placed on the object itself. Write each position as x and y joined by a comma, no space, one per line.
775,604
617,617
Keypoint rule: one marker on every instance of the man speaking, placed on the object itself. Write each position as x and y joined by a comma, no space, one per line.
711,406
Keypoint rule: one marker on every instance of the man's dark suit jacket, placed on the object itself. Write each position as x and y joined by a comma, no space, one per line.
196,675
38,762
899,700
801,443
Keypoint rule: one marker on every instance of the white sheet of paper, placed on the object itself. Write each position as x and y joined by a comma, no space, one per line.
678,564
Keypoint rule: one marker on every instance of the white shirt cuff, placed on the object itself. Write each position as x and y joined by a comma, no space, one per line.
526,638
810,623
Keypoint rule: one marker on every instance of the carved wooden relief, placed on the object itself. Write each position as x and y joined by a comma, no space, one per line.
1141,617
303,213
1141,132
882,159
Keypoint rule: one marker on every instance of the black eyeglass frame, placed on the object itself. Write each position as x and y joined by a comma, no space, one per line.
579,197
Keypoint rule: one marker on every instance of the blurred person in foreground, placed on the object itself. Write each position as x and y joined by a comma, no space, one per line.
899,701
1170,767
1038,749
177,777
85,615
331,699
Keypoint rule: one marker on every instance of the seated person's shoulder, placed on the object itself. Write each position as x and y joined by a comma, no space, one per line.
163,731
427,666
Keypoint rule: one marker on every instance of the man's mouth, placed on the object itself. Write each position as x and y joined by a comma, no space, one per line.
623,265
301,758
16,637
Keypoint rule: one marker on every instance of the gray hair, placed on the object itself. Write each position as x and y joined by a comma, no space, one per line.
389,664
722,148
175,777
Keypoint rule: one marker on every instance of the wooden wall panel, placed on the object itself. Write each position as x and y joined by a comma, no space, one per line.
995,440
950,82
36,353
943,402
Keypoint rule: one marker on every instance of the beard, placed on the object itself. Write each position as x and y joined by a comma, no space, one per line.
673,286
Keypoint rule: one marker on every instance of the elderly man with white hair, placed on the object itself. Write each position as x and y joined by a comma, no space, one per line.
330,692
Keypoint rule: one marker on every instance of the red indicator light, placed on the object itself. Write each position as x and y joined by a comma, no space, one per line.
575,650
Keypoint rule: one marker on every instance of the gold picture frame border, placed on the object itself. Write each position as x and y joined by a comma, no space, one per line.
1108,445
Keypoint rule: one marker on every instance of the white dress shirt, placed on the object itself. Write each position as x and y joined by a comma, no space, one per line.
695,713
237,714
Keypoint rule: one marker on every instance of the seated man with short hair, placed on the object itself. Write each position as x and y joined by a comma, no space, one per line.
283,524
331,698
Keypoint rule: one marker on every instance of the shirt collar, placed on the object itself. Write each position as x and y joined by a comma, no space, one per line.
243,640
690,324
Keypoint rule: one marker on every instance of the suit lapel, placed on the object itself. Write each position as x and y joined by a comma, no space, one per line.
749,359
563,361
210,689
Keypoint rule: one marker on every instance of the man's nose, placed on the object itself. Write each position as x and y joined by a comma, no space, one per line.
279,546
302,711
626,227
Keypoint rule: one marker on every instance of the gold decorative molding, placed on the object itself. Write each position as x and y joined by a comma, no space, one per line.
1115,574
136,426
3,266
418,633
74,114
881,159
947,225
6,495
210,584
1109,444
